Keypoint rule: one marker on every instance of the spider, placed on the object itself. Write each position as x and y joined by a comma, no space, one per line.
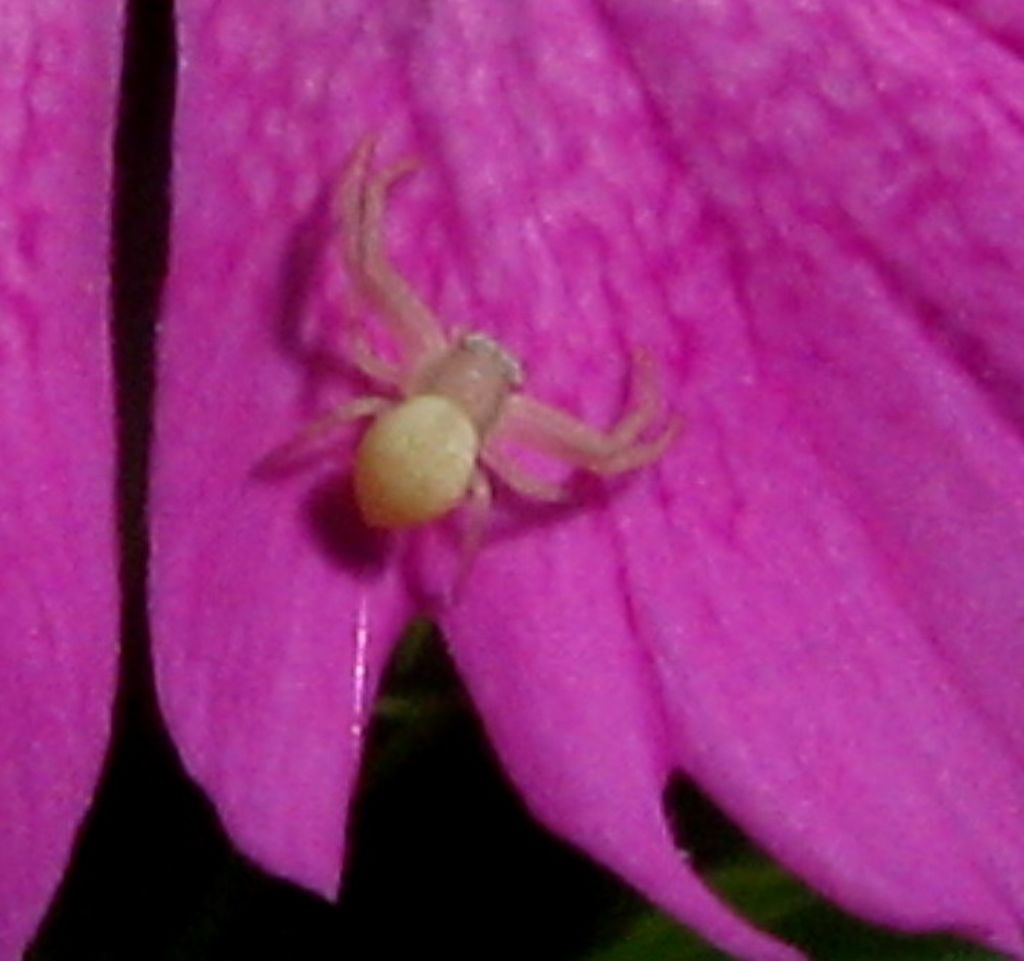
458,400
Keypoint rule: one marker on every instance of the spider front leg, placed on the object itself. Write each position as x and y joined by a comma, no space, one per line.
361,355
566,438
362,199
519,479
553,432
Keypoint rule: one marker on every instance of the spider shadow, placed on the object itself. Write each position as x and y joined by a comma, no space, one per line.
434,586
303,261
585,494
339,531
308,324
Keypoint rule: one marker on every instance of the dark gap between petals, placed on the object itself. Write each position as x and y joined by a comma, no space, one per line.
138,846
759,889
443,856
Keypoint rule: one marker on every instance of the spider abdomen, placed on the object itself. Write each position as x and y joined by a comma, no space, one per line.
415,462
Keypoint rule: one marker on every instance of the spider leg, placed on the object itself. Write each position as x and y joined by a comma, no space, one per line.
520,480
351,203
361,201
645,401
564,437
370,364
478,514
315,438
354,352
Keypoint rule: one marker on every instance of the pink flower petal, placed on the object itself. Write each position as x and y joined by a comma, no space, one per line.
842,669
58,587
789,608
271,619
571,703
260,625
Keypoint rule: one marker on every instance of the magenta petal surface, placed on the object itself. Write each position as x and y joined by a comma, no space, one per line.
571,704
269,631
271,623
813,605
840,639
57,586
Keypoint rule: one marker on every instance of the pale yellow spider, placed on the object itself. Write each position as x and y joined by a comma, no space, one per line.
458,397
